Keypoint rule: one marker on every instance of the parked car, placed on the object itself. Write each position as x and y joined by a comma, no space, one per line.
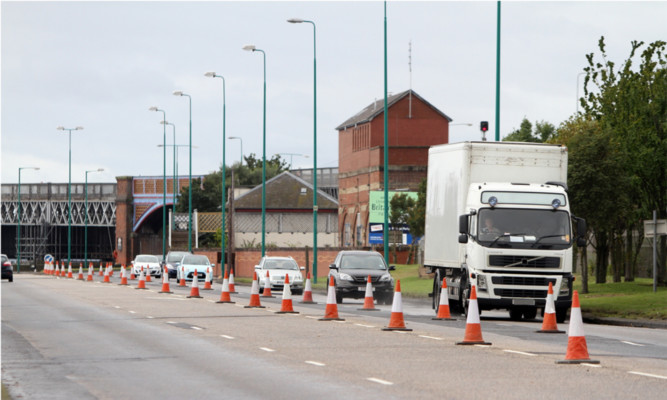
192,262
150,263
351,269
174,262
7,269
278,268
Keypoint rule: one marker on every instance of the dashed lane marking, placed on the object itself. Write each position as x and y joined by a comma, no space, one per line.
227,337
520,352
631,343
315,363
365,326
380,381
431,337
648,375
267,349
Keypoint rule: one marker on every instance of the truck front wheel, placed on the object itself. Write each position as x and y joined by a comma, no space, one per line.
561,314
437,287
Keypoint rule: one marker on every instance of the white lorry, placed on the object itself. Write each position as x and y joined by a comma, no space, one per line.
498,217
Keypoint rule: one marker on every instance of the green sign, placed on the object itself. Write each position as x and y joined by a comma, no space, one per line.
376,204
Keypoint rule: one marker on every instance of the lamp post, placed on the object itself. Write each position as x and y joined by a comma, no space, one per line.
174,169
291,156
224,188
85,234
69,192
252,48
299,21
164,179
180,93
385,234
241,140
18,235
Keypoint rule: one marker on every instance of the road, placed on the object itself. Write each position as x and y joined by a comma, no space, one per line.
69,339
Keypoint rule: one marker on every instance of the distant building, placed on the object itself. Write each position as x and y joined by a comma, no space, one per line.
414,125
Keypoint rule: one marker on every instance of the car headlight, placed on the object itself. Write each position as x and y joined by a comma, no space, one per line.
345,277
385,278
564,289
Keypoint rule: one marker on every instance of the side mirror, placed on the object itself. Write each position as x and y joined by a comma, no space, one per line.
302,268
392,268
256,266
463,224
333,266
581,227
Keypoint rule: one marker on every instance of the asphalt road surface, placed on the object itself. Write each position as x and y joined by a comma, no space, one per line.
67,339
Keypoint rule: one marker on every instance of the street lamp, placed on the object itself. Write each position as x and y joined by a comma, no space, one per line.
69,192
299,21
251,47
241,140
180,93
164,179
18,240
224,189
175,146
165,123
291,156
85,235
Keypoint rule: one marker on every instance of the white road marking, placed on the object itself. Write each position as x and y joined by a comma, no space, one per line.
227,337
133,312
632,344
171,322
318,364
649,375
365,326
520,352
431,337
149,317
482,345
380,381
592,365
312,317
118,307
196,328
266,349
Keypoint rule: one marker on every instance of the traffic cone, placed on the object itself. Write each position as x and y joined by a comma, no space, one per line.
101,273
90,273
286,305
132,275
80,276
110,270
57,271
69,271
232,288
142,280
443,306
182,282
165,282
577,350
267,286
473,334
331,311
123,276
396,322
106,276
369,302
224,295
194,291
254,294
307,292
207,281
549,324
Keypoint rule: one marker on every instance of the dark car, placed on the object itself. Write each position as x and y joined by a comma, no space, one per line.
7,269
174,261
351,270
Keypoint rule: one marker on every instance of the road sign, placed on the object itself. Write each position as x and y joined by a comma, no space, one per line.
650,227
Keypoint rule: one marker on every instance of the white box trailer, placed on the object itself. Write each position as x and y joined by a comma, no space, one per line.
516,184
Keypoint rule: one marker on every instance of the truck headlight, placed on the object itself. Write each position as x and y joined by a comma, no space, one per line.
564,289
481,282
345,277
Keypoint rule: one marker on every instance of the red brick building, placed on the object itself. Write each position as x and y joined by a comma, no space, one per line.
413,126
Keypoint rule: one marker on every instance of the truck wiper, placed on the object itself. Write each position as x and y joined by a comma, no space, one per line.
544,237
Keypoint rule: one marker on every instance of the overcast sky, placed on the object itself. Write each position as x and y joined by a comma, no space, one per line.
101,65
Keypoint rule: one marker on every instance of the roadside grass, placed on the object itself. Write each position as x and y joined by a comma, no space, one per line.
631,300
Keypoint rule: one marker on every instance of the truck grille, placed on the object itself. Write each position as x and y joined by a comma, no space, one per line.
536,294
522,281
524,261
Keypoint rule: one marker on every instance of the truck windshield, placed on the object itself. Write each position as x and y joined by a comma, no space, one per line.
523,229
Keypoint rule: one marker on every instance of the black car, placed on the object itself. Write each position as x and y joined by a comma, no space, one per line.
351,270
7,269
174,261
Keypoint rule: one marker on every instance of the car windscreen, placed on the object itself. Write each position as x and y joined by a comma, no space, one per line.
195,260
281,264
359,261
148,259
175,257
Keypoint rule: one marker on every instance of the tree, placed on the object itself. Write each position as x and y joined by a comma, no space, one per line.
399,212
543,132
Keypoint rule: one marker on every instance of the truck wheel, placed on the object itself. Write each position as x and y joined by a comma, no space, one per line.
515,314
561,314
339,298
465,296
437,288
530,313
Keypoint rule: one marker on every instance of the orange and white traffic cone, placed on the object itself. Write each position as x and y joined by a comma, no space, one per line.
267,286
369,302
307,292
224,295
132,274
165,282
101,273
90,273
80,276
254,294
443,305
123,276
207,281
182,281
142,280
194,289
69,271
232,288
577,350
286,305
106,276
57,270
331,310
396,322
549,324
110,270
473,334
